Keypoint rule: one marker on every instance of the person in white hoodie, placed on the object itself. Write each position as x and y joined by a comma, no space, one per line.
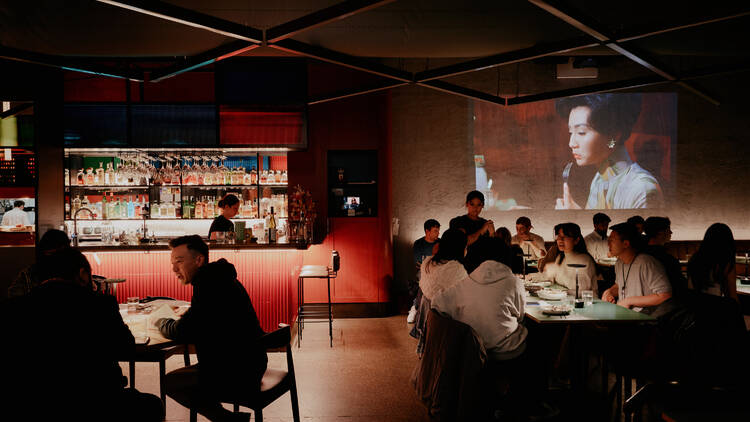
444,269
489,300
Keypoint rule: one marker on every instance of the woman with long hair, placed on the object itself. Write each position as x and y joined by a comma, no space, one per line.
571,251
712,269
599,125
445,268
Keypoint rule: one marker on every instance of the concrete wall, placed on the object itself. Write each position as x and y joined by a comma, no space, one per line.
433,168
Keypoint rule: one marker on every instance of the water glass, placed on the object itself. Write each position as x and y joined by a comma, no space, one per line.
133,304
220,237
588,297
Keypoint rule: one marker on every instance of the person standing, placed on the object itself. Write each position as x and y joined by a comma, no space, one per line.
423,247
230,206
641,282
17,216
596,241
222,324
531,243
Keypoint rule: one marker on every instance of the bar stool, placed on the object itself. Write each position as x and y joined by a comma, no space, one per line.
316,312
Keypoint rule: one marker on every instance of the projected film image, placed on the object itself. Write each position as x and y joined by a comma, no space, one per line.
598,151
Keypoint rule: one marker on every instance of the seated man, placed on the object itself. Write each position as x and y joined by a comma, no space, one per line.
596,241
641,282
659,233
491,301
224,328
64,350
531,243
52,241
423,247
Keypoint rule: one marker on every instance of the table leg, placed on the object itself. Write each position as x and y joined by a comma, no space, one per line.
162,391
131,367
330,314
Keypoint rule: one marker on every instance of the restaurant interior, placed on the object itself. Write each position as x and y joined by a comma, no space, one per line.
357,121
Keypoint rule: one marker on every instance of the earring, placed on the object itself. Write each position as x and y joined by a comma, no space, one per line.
611,144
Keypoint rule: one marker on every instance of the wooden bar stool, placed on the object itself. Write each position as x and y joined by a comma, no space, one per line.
316,312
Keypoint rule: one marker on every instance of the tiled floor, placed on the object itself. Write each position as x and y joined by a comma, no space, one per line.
363,378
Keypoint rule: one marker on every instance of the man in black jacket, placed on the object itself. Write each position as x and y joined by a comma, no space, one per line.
63,343
224,328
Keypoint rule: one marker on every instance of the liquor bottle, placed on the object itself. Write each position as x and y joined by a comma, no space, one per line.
105,210
99,175
76,205
137,208
67,177
131,207
80,178
253,176
199,209
89,176
264,177
272,228
109,175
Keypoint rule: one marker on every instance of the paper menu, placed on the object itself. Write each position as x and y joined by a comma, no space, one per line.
163,311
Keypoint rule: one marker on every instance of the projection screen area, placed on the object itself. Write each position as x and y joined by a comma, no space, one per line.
599,151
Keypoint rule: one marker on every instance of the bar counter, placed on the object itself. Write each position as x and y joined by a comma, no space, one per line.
268,273
164,246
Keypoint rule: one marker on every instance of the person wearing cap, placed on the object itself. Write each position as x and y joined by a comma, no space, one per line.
596,241
531,243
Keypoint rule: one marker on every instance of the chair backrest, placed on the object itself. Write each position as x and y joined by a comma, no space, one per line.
335,261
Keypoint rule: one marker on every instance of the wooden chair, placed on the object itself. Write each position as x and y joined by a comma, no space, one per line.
275,382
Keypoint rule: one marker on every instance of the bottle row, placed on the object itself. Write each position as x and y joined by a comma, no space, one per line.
170,204
144,173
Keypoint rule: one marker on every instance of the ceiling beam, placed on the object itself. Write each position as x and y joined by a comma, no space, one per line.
207,57
502,59
357,91
67,63
600,34
321,17
330,56
590,89
463,91
189,17
643,33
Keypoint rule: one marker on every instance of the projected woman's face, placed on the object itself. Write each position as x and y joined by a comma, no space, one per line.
589,147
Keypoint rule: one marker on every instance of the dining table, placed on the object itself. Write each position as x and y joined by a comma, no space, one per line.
150,345
601,314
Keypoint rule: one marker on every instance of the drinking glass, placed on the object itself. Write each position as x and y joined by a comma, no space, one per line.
220,237
588,297
133,304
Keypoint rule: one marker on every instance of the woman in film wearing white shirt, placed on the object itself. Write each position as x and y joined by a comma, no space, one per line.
572,250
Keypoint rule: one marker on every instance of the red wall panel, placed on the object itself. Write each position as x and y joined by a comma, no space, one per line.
90,88
269,276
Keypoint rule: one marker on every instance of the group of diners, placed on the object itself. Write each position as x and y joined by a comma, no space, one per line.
472,272
63,338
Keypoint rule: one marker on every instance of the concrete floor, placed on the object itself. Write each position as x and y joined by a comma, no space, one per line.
363,378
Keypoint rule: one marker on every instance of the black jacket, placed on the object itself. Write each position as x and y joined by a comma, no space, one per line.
61,346
223,326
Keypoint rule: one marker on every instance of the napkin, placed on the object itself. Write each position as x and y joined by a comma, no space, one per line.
163,311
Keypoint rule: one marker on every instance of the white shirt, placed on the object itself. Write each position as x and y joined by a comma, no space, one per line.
491,301
566,276
643,277
535,239
15,217
597,245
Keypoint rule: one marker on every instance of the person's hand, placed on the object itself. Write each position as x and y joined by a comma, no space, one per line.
566,202
491,228
625,303
486,227
608,296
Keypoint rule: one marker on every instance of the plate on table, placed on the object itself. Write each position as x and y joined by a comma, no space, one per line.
556,310
552,294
